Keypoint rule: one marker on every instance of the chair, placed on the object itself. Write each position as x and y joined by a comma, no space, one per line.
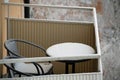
27,69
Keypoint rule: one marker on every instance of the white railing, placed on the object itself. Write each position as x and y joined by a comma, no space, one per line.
42,59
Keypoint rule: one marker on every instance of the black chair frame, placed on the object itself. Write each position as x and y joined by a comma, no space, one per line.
16,55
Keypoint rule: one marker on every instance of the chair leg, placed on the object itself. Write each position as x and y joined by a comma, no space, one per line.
19,75
52,72
10,73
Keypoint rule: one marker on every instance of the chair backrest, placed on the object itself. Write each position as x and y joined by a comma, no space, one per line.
11,47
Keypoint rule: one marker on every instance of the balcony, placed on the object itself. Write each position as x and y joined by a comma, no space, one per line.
49,31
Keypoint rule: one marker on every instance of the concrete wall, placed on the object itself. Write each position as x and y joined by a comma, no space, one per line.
108,13
110,39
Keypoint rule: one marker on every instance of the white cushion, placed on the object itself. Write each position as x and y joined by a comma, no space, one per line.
30,68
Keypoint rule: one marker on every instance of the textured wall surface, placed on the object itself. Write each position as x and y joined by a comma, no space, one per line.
60,14
110,39
108,14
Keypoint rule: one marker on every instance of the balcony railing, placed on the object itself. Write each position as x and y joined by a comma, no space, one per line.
49,31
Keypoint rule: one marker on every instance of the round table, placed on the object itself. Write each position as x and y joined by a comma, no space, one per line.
69,49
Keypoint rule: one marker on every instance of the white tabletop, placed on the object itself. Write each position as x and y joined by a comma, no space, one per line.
68,49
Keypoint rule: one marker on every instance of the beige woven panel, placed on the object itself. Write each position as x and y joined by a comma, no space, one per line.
47,33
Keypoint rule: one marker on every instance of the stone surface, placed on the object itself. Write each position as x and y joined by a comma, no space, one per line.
108,14
111,40
61,14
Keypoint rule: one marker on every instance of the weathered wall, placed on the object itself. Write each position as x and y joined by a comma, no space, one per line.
110,39
108,13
